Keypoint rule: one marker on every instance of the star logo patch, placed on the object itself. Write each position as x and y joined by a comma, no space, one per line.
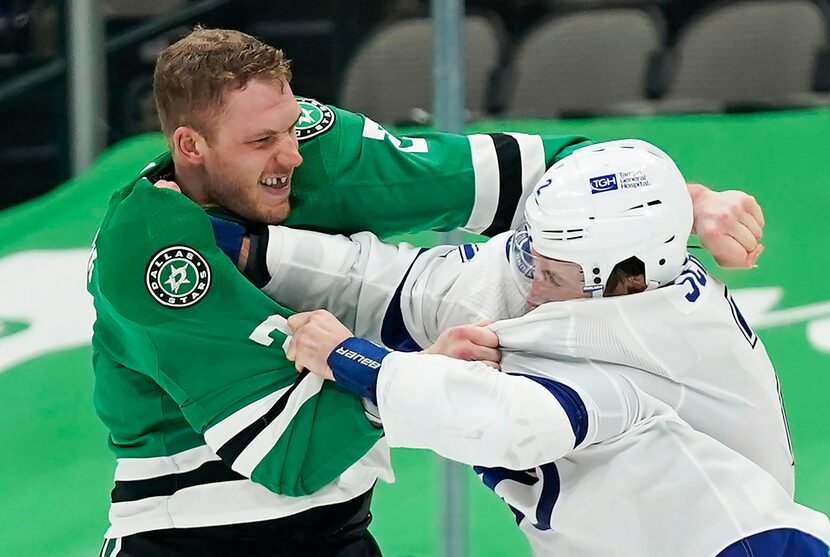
177,277
315,119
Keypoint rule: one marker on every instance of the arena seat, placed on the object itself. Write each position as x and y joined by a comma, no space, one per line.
390,76
748,54
587,62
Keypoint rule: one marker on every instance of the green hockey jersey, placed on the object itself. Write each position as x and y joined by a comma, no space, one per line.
208,420
358,176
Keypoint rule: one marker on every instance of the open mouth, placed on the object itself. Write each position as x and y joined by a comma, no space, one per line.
275,183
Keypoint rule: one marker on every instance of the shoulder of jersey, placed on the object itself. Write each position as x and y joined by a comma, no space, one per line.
161,252
315,119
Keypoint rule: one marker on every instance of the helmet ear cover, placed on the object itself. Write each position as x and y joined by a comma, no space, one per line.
607,203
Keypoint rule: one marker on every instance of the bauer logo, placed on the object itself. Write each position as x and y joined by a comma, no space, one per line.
601,184
359,358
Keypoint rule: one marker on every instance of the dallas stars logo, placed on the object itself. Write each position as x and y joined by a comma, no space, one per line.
315,118
177,277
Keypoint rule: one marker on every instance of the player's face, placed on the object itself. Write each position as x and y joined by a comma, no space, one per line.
555,281
253,152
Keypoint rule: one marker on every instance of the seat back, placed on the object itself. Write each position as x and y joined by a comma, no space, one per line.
754,51
584,62
391,73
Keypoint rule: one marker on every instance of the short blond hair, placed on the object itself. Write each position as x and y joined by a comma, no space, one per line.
193,74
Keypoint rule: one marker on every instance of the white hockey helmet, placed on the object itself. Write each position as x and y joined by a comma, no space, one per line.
604,204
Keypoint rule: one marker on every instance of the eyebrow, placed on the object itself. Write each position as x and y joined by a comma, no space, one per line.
270,132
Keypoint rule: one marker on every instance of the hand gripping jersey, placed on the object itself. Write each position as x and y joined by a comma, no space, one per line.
590,465
209,422
686,344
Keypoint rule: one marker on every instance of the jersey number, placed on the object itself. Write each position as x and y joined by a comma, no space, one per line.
262,333
549,493
373,130
695,278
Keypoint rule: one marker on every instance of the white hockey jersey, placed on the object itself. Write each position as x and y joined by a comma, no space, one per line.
686,344
639,483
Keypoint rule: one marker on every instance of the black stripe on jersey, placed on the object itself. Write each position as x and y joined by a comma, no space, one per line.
393,331
231,450
509,157
256,269
214,471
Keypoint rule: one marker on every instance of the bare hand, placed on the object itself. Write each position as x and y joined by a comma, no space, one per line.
468,342
168,185
316,334
729,224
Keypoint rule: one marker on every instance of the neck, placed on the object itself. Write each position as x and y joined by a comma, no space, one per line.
191,179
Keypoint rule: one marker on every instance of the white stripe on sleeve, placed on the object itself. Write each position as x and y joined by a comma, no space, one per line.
130,469
486,171
265,441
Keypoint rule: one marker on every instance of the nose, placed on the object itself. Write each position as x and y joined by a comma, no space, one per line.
541,291
536,287
287,153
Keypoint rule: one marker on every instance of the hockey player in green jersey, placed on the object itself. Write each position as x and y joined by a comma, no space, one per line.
215,437
221,449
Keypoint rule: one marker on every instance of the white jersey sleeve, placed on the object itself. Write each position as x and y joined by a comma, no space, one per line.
398,295
355,278
468,412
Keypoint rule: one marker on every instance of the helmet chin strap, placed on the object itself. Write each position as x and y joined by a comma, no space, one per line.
595,290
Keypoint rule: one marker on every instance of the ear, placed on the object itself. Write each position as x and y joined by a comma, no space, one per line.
635,284
189,145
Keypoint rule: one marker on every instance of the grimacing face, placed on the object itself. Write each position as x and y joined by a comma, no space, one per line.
253,152
555,281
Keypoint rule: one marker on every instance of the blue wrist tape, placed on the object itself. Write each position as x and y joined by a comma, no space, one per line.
355,363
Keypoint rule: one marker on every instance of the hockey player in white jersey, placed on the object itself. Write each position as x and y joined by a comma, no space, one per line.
589,462
685,343
590,465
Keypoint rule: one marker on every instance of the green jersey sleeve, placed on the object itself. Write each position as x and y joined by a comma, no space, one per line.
173,307
357,176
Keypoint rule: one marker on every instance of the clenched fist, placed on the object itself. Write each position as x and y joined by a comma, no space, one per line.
316,334
729,224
